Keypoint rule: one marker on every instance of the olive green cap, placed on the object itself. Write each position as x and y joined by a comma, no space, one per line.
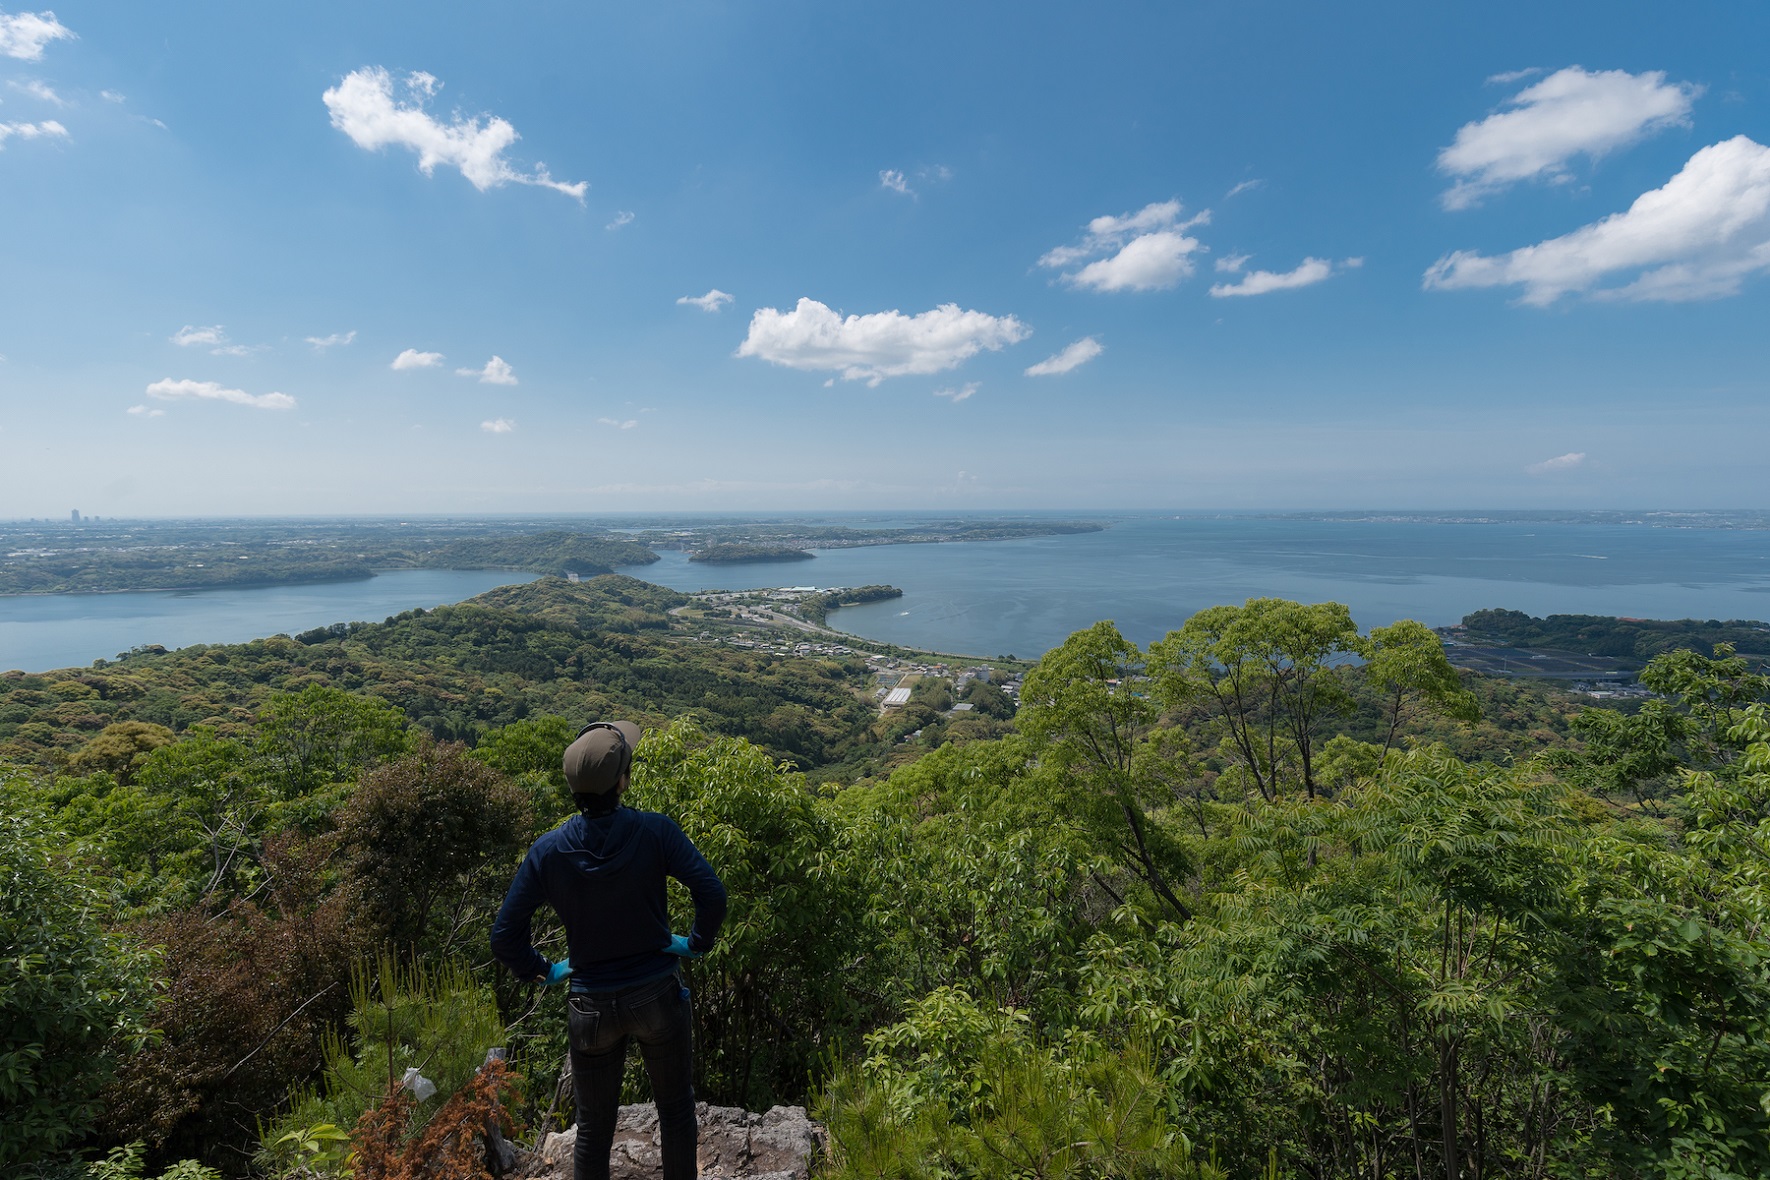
602,753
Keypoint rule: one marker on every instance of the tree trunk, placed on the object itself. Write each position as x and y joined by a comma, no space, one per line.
1447,1104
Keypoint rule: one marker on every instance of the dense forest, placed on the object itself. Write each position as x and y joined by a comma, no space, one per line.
1600,635
734,553
817,607
1271,897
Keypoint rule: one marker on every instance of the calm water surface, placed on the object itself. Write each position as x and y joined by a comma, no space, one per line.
1148,573
39,632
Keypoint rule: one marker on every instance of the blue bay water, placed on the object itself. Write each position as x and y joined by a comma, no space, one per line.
43,631
1148,573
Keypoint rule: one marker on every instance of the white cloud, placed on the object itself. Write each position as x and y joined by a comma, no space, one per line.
23,35
873,347
112,96
623,217
1232,263
1073,357
190,336
496,372
169,390
1152,262
147,411
41,91
498,426
1569,113
890,178
212,336
411,358
1565,462
363,106
618,424
1261,282
47,129
960,394
1148,250
322,343
712,301
1696,237
1511,76
1243,187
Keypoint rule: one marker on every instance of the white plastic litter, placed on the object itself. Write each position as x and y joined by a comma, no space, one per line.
422,1088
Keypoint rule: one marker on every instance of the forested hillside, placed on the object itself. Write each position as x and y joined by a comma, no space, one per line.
1233,905
573,649
1600,635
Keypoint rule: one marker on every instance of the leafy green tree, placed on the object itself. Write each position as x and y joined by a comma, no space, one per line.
533,751
1267,670
779,985
74,999
933,692
989,700
1407,661
1714,692
976,884
320,736
1087,706
428,842
959,1088
206,812
1666,991
120,748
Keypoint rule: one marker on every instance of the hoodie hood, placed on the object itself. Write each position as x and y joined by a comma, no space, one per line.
604,846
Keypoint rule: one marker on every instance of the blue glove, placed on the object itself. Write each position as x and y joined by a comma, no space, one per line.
557,973
679,947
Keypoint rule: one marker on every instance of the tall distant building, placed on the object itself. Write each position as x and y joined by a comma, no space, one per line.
76,516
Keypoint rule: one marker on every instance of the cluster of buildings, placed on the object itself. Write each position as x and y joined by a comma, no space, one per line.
780,647
895,675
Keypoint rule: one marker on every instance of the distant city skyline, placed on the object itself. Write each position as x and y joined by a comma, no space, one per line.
705,257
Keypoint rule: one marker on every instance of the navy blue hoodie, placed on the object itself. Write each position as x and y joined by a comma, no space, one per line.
604,875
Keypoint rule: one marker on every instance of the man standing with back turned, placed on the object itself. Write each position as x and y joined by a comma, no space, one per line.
603,870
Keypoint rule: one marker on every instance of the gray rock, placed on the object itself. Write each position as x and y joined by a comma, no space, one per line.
736,1144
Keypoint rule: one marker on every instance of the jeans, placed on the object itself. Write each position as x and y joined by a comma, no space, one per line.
656,1014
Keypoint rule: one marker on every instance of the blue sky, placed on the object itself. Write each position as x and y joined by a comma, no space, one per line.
945,256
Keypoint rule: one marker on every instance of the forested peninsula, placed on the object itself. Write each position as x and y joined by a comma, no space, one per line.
1273,896
735,553
1600,635
92,555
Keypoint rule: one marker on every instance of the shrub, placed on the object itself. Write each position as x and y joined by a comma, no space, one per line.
451,1146
777,988
251,994
73,998
439,1022
429,841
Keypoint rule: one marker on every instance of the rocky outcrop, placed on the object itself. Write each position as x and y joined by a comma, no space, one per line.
736,1144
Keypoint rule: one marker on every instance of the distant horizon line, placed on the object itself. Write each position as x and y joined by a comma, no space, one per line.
680,513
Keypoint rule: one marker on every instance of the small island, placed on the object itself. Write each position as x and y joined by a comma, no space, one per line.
733,553
817,607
